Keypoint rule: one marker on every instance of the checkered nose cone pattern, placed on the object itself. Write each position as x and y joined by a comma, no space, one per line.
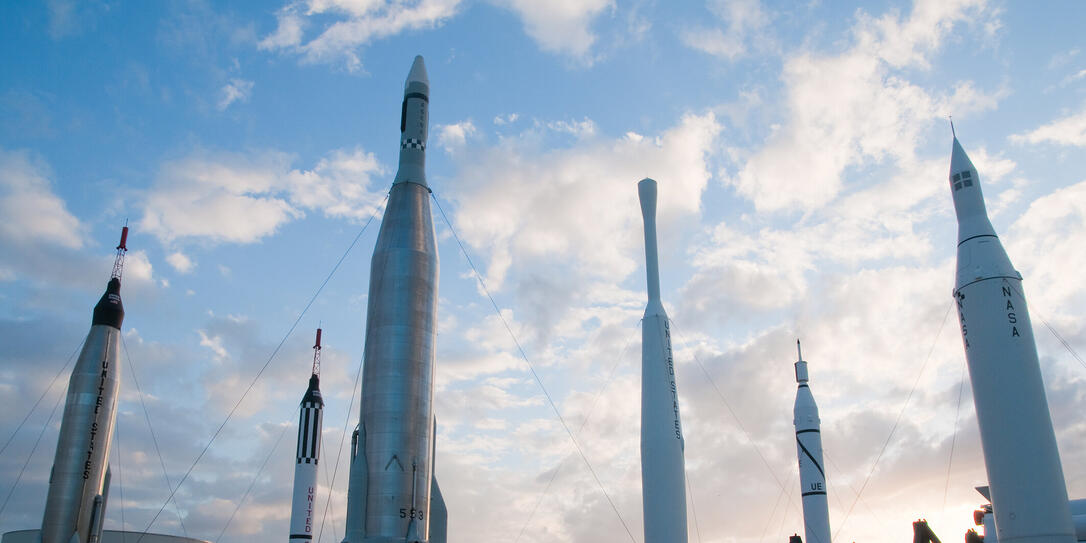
413,143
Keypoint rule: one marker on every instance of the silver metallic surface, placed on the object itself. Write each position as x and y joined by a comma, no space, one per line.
395,443
86,431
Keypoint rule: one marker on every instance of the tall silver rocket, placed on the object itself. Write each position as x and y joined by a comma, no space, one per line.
812,477
79,483
392,495
1029,495
663,468
307,454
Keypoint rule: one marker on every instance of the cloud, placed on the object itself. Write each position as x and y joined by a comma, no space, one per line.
32,212
67,18
561,26
236,90
1069,130
454,136
347,25
525,206
746,20
180,262
853,109
241,198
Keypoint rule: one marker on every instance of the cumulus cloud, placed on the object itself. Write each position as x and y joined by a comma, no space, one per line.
523,206
853,109
32,212
454,136
180,262
348,25
562,26
1069,130
239,198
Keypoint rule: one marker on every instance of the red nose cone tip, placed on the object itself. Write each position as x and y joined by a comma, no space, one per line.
418,73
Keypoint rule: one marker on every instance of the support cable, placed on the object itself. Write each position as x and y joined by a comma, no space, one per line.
252,483
22,470
339,454
588,414
531,368
693,508
43,393
151,429
260,373
954,436
893,428
731,411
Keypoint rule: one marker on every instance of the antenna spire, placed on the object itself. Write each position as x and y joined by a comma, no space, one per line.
122,248
952,133
317,354
799,351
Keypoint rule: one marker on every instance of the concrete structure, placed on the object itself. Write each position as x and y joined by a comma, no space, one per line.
108,536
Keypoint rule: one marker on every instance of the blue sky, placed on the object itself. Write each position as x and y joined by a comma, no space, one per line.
801,152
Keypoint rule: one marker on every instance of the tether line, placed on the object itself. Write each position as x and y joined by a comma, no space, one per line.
531,368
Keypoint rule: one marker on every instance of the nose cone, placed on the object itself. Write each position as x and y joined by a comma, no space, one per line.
968,198
959,161
417,73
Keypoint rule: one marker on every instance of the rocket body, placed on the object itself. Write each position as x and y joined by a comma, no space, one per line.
78,484
812,475
663,468
389,496
1029,495
310,417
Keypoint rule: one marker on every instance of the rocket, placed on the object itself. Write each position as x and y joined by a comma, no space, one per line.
310,415
663,468
392,494
79,482
812,476
1028,492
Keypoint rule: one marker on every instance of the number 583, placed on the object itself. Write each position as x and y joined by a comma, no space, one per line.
412,513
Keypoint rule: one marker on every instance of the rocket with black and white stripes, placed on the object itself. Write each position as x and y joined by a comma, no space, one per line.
812,475
307,455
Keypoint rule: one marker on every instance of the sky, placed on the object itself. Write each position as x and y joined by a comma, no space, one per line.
801,151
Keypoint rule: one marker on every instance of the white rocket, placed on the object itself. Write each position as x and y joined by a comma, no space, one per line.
1028,492
812,476
79,482
663,468
392,495
310,415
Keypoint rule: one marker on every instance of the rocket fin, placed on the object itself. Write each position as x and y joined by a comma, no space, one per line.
439,515
358,483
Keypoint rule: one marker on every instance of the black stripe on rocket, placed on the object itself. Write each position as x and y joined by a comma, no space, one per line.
811,457
309,422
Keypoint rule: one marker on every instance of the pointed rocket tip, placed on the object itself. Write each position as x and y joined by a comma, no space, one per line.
418,72
959,160
952,132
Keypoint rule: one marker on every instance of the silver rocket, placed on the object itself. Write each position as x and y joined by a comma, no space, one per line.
663,468
79,483
392,494
812,476
310,416
1028,492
